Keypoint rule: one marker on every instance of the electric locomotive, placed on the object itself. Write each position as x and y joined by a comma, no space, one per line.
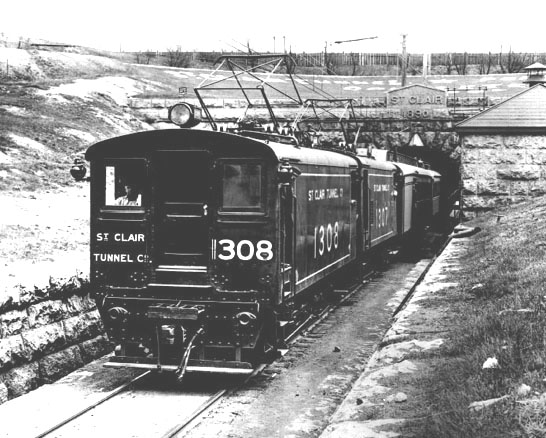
202,242
205,244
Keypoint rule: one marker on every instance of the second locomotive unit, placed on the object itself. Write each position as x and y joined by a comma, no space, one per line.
205,244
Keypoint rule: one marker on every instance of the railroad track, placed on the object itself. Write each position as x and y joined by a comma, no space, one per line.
306,326
68,426
109,396
140,407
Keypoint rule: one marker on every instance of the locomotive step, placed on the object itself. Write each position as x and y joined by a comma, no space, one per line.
181,274
184,259
181,268
180,286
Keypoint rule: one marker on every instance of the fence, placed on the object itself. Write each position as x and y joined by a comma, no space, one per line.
453,59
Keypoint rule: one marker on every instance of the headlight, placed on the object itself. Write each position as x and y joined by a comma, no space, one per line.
185,115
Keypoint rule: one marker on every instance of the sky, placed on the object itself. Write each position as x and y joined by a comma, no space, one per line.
299,26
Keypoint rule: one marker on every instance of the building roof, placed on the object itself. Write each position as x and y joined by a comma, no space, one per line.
526,111
536,66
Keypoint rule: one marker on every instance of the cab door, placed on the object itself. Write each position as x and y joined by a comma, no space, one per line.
182,194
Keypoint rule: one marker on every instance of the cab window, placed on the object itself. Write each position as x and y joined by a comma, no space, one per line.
124,182
242,187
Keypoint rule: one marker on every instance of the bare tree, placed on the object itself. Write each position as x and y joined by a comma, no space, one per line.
486,61
149,55
514,62
448,63
177,58
329,64
144,57
462,64
355,62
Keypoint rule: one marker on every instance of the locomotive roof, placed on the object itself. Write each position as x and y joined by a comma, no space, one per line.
376,164
407,169
312,156
141,143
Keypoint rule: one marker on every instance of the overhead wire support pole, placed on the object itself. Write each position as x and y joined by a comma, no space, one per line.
404,60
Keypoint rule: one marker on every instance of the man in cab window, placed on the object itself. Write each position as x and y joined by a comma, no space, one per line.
132,196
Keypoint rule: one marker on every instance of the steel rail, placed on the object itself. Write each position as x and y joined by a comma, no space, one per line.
308,324
94,405
313,320
173,432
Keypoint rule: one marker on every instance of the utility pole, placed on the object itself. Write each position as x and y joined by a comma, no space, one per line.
326,56
404,60
425,64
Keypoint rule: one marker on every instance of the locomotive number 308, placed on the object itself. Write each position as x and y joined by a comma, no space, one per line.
245,250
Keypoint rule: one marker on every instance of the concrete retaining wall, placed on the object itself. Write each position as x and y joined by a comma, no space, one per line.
46,333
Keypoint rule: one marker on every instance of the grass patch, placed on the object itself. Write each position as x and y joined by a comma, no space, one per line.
501,312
